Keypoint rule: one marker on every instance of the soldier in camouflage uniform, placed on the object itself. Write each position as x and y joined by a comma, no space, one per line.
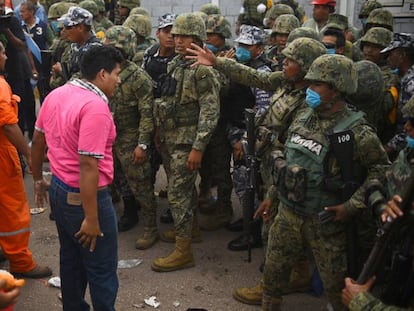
400,54
282,27
357,297
156,59
92,7
288,99
78,27
215,167
186,116
366,8
141,25
250,14
124,10
300,175
274,12
210,9
132,107
373,99
101,22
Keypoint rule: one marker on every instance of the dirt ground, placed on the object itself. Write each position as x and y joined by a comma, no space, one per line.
209,285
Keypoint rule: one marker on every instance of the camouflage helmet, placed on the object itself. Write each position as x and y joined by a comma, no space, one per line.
218,24
210,9
130,4
370,82
190,24
368,7
101,5
336,70
338,21
292,3
408,108
304,51
377,35
90,5
303,32
140,24
381,17
278,9
57,9
120,37
202,15
140,10
285,23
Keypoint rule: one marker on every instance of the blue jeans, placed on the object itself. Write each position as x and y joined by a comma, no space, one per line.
79,266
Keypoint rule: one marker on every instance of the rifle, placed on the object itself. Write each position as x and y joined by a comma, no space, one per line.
342,147
251,165
384,232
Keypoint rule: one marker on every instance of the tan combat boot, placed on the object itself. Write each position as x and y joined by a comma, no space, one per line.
149,238
180,258
169,235
249,295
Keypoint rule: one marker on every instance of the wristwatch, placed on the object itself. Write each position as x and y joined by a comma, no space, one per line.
143,146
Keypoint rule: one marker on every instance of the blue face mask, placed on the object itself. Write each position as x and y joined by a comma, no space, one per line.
242,54
410,142
212,48
313,99
364,21
395,71
55,27
330,51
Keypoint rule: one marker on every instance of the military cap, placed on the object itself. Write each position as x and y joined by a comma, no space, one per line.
408,108
303,32
367,7
218,24
250,35
400,40
278,9
285,23
381,17
130,4
336,70
76,16
166,20
210,9
120,37
140,10
90,5
337,21
377,35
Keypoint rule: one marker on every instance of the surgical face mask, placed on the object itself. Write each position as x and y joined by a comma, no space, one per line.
364,21
242,54
55,27
330,51
212,48
313,99
395,71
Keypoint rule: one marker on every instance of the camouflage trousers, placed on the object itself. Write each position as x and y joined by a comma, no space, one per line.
215,166
138,177
289,237
182,194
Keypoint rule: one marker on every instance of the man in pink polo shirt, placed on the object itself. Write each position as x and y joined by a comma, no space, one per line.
76,124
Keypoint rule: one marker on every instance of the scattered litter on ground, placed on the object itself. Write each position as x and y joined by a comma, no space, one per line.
129,263
139,305
36,210
176,304
54,281
152,302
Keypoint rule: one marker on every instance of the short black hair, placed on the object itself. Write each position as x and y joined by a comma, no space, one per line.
339,35
29,5
98,58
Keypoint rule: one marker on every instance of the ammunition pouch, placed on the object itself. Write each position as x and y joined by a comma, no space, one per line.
167,85
264,138
165,114
291,181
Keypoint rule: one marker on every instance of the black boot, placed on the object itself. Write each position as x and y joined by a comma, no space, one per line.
166,217
130,217
236,226
255,239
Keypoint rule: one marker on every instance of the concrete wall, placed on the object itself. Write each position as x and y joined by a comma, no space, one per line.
231,9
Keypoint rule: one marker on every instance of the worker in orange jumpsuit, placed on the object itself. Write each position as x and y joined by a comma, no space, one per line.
14,206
